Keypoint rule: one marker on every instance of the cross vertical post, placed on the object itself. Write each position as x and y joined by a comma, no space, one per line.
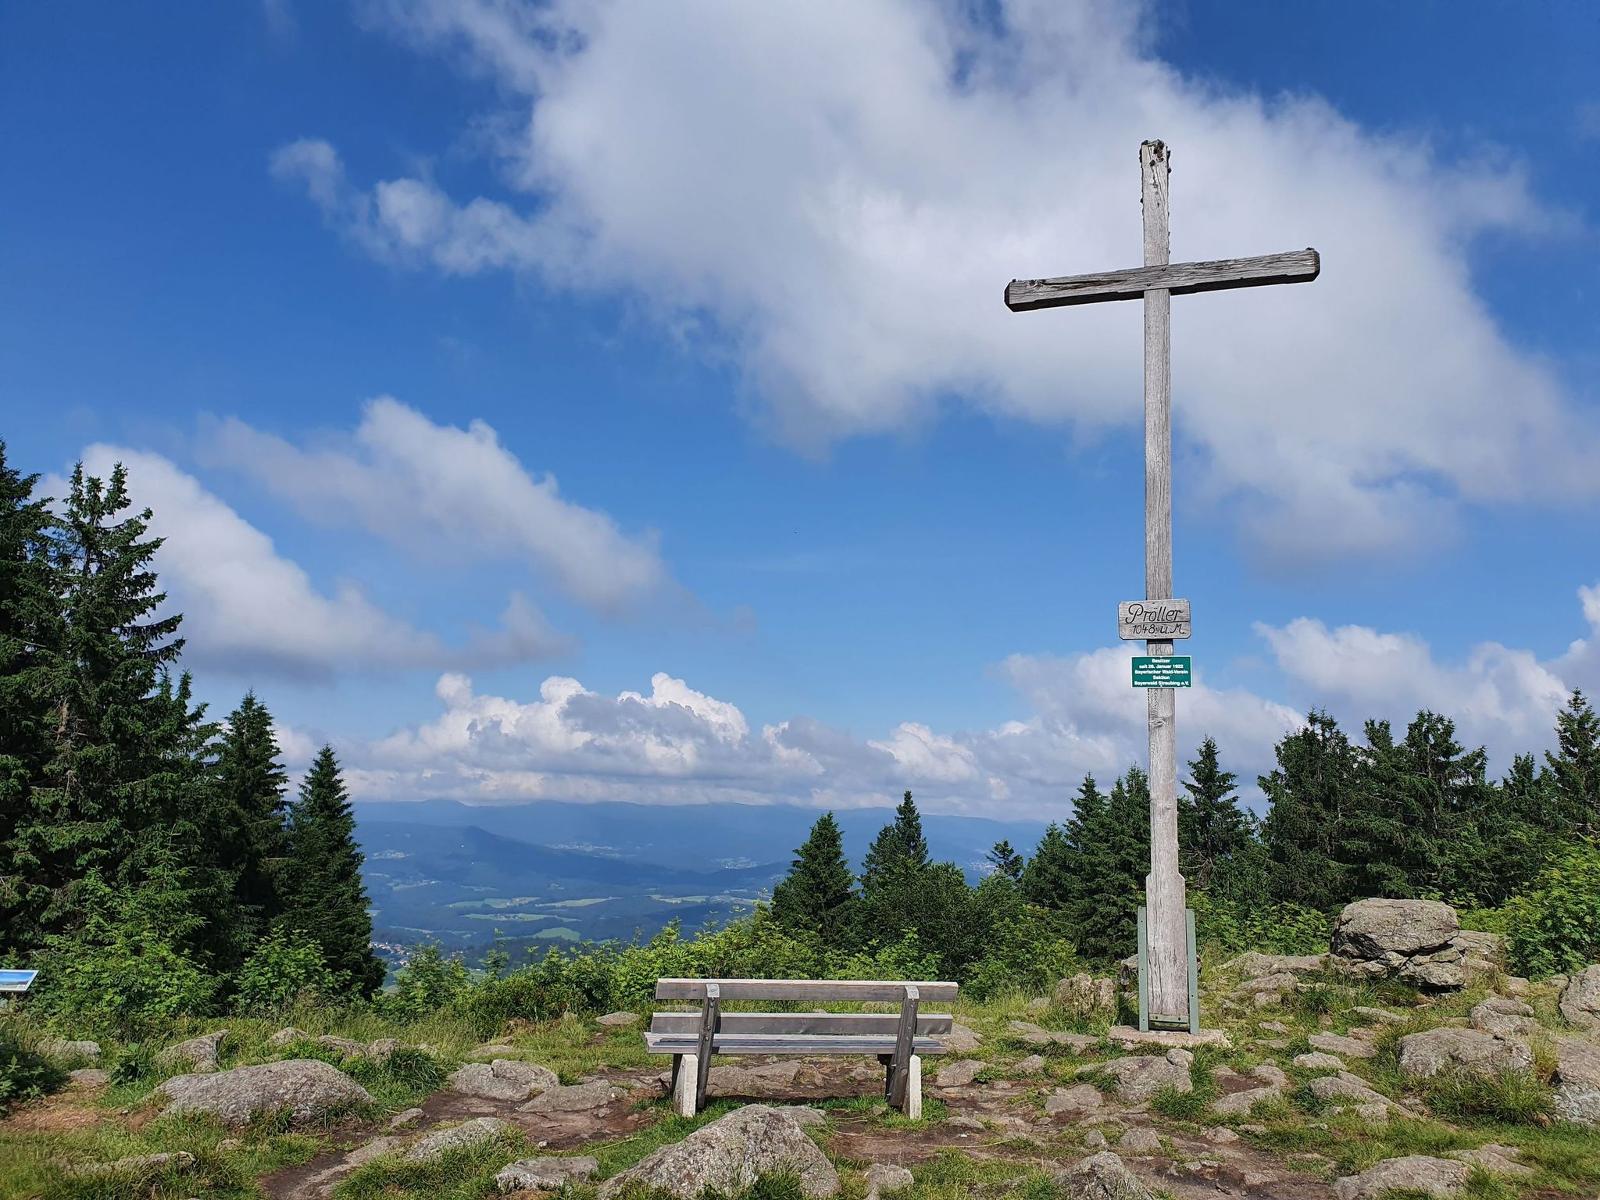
1164,886
1167,985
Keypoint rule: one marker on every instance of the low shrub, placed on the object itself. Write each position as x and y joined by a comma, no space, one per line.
25,1074
1554,926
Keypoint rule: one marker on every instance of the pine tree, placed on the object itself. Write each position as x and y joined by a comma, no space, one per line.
1005,861
1575,766
1113,860
1213,830
104,779
1306,796
251,807
818,895
900,848
28,619
325,898
1047,879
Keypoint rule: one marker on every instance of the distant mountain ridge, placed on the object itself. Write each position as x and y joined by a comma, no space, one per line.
525,877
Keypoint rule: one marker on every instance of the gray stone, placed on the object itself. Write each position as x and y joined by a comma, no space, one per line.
502,1079
774,1080
618,1020
1031,1065
1424,1055
1140,1078
1318,1061
89,1077
1333,1043
376,1148
1270,1073
545,1174
1580,998
1238,1104
64,1050
884,1179
1273,1026
307,1088
1577,1081
1101,1176
469,1133
1268,985
286,1035
492,1050
1441,1177
1079,1098
728,1155
581,1097
1373,1112
198,1054
348,1047
1496,1159
1221,1135
405,1119
1504,1017
1086,995
1346,1088
1095,1140
960,1073
379,1049
1140,1140
960,1039
805,1116
1372,929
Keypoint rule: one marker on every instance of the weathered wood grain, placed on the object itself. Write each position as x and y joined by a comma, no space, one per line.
796,990
787,1043
1176,279
819,1024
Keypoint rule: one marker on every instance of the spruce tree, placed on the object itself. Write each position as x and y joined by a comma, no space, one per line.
1108,887
818,895
251,809
1047,879
1213,831
1575,766
1003,860
29,618
326,900
900,848
1306,797
110,731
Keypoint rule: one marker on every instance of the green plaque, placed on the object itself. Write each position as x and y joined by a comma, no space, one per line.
1161,670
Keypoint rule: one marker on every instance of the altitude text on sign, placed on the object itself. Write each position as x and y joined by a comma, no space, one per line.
1153,620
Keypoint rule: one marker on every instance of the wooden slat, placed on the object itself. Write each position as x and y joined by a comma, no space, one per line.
782,1043
828,1024
1178,279
806,989
904,1048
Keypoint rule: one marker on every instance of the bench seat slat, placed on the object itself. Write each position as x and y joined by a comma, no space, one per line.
805,989
835,1024
785,1043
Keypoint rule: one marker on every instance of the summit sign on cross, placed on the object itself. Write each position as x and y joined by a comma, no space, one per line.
1169,1001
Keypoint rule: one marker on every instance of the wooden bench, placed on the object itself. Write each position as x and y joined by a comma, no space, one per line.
899,1040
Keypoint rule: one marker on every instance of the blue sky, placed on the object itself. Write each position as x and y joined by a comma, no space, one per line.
828,521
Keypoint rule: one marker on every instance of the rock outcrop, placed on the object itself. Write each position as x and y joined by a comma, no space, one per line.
1417,941
729,1155
306,1088
1424,1055
469,1133
63,1050
198,1054
1577,1081
502,1079
545,1174
1580,998
1086,995
580,1097
1503,1017
1140,1078
1101,1176
884,1179
1441,1177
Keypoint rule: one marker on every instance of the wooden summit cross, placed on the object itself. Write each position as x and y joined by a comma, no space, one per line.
1166,997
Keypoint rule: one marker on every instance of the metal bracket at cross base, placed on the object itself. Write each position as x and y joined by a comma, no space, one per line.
1149,1020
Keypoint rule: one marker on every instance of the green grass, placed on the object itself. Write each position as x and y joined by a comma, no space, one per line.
463,1174
1508,1097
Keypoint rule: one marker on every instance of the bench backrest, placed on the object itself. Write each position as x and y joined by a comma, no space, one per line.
801,990
685,1024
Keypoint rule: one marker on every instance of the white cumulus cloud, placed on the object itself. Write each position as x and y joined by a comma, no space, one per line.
836,193
448,491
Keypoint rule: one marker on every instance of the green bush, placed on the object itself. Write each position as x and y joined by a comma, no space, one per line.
25,1074
1554,926
284,968
133,980
1236,926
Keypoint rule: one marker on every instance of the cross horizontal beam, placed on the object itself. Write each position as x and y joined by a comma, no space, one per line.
1181,279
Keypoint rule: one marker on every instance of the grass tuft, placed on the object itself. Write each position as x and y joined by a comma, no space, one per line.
1507,1097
